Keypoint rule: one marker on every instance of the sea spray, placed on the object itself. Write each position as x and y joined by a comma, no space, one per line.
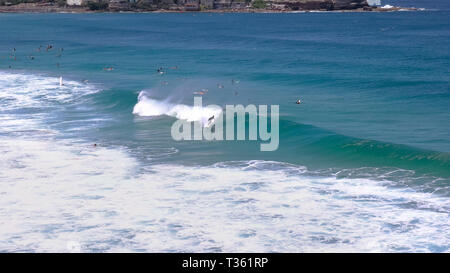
148,107
207,122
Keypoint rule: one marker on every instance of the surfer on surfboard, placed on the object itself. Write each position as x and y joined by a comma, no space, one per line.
210,121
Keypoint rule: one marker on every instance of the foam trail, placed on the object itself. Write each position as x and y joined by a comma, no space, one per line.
27,90
27,99
148,107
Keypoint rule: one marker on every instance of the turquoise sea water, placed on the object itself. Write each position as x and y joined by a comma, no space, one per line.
363,163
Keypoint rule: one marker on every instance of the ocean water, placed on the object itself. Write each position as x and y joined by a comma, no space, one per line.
363,163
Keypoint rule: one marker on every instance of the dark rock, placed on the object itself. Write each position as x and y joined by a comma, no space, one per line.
349,4
310,5
323,4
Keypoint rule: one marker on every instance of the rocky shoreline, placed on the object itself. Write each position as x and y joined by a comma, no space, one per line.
54,8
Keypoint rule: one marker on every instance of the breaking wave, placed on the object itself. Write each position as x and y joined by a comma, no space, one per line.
147,107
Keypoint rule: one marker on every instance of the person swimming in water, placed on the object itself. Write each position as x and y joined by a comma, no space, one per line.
210,121
298,101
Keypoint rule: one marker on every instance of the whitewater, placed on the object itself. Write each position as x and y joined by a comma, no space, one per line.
148,107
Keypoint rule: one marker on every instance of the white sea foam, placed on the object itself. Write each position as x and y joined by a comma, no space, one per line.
28,90
25,99
54,194
147,106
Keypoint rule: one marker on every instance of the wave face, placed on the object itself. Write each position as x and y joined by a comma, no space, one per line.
317,144
148,107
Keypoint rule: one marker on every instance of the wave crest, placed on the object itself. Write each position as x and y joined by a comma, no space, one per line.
148,107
